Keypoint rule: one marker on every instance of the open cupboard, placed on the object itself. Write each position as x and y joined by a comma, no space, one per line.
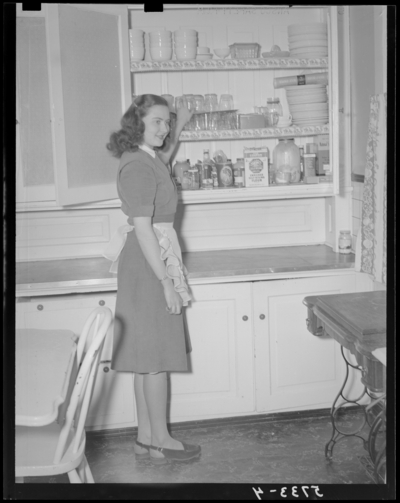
84,172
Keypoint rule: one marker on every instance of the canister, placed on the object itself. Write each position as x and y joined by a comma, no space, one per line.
225,173
345,242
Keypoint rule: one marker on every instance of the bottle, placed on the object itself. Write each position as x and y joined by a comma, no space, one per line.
206,179
214,176
238,172
345,242
194,178
301,149
186,180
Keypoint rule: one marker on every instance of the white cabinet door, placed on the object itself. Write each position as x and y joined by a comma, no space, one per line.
220,380
112,402
294,369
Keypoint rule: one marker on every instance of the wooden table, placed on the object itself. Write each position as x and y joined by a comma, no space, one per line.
358,322
44,362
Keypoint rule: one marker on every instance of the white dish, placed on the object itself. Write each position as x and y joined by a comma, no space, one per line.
184,32
309,49
161,44
191,43
307,43
310,56
308,106
311,100
305,87
162,54
222,52
299,29
204,57
307,37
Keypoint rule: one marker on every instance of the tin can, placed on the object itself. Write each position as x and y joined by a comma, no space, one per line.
225,174
309,164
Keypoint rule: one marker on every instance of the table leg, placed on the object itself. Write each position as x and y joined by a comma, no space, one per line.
337,434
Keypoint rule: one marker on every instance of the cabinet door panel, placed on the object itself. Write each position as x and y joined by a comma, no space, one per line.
112,402
220,377
294,369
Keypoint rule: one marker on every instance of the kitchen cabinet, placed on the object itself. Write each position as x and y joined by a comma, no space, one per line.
251,351
113,400
250,85
293,370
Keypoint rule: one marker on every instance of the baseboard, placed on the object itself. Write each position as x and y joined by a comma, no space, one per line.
238,420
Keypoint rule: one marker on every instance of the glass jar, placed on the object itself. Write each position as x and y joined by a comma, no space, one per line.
345,242
180,167
198,117
272,111
286,161
238,173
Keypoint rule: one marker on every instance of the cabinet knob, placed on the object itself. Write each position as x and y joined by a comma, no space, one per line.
106,369
101,302
245,318
262,316
40,307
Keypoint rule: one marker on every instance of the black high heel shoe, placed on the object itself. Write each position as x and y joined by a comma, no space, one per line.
189,452
143,455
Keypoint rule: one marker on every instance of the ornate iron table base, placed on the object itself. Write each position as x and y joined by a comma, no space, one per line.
373,443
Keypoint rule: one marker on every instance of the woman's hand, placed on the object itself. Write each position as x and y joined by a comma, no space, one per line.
183,115
173,299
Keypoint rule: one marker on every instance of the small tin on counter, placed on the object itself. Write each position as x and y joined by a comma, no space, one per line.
224,173
251,121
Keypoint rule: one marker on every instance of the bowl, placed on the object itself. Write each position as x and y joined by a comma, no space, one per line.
160,33
186,41
137,53
204,57
185,32
185,55
161,53
161,44
222,52
203,50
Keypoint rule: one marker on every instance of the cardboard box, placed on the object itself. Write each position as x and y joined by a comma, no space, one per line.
322,141
256,163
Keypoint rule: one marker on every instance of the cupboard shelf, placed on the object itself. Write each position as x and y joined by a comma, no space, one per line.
244,134
228,64
232,194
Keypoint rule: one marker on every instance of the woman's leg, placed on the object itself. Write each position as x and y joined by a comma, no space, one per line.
144,428
155,393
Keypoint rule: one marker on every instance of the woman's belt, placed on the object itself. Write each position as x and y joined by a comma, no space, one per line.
170,253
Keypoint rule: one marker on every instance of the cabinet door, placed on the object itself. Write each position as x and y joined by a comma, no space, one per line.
90,89
112,402
294,369
220,377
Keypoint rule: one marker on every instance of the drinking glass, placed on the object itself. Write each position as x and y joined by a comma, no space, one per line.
191,107
226,102
199,122
211,107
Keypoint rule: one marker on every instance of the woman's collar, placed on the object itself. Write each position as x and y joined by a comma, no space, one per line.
148,150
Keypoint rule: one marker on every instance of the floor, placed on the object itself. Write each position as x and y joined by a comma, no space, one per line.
262,451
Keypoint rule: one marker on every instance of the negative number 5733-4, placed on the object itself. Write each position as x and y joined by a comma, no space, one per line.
285,491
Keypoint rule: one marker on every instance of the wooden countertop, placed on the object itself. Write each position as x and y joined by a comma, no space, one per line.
92,274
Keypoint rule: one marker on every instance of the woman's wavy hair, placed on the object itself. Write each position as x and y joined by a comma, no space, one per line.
130,136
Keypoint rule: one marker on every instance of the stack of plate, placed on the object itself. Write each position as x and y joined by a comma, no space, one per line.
185,44
308,40
160,45
308,104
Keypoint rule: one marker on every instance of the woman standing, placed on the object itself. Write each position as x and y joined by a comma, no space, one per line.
150,334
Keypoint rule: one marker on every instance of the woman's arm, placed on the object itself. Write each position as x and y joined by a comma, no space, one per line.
182,117
151,250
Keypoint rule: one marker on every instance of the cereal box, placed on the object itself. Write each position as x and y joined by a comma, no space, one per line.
256,161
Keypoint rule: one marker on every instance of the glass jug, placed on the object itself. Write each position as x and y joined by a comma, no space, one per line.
273,111
286,161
